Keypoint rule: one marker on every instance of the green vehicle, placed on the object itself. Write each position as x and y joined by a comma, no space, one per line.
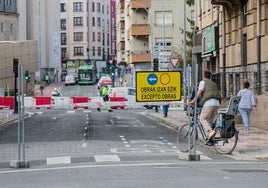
87,75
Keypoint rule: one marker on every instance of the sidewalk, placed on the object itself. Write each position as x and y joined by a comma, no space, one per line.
255,143
48,89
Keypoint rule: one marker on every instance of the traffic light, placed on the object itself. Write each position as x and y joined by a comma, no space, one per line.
26,76
15,66
155,64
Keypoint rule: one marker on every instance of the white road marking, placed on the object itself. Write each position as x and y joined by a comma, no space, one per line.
106,158
70,112
124,165
84,145
58,160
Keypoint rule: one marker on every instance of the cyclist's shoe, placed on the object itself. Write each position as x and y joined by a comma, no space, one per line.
211,134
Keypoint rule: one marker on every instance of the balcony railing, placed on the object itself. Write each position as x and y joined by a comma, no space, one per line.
140,56
136,4
226,3
140,30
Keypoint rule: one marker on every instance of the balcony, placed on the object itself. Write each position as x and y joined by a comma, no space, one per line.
140,56
137,4
140,30
226,3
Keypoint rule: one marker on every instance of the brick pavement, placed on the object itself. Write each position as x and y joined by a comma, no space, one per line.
253,143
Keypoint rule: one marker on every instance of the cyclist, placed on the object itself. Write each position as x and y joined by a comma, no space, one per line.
210,99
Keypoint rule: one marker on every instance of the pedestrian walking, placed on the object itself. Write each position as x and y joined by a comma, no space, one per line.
246,105
41,89
47,79
165,109
210,99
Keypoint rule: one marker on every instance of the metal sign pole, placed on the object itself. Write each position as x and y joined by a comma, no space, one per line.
19,113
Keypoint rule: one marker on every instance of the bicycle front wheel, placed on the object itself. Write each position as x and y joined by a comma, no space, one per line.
224,145
182,137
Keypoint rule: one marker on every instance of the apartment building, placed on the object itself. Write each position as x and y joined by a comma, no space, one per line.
149,29
233,38
231,41
87,32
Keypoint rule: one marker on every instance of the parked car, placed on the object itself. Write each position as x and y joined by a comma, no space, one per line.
70,80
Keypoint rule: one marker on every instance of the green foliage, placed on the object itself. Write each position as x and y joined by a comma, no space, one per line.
190,2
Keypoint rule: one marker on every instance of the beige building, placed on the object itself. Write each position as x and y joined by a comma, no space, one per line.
231,40
148,29
27,54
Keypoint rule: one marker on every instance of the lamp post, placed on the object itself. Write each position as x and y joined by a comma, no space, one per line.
184,54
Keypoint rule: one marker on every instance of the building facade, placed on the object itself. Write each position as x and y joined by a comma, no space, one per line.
148,30
13,44
231,40
233,37
87,32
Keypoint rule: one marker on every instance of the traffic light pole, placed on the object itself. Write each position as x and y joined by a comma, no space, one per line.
15,71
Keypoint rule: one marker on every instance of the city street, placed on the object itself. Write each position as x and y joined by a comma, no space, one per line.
124,148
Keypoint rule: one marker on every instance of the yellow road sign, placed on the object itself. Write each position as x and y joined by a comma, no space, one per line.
158,86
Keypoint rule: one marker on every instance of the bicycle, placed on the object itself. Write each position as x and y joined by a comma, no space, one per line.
225,140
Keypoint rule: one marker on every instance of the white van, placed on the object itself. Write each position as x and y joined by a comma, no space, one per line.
69,80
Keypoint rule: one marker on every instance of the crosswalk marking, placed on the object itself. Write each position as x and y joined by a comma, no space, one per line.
106,158
58,160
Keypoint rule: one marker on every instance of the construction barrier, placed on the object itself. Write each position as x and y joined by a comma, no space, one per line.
80,102
7,102
43,101
118,102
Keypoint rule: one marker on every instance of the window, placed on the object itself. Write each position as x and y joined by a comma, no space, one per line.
93,21
63,7
93,36
63,25
94,51
99,22
63,53
2,27
78,21
159,18
63,38
11,28
99,51
99,37
78,36
77,7
98,7
102,9
231,85
237,82
93,6
266,81
78,51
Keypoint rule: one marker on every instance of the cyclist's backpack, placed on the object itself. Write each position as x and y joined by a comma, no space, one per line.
228,129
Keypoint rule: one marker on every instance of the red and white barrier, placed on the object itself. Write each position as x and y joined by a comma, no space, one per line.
7,102
80,102
118,102
43,101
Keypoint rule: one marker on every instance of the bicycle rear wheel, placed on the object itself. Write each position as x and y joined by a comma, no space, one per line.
224,145
182,137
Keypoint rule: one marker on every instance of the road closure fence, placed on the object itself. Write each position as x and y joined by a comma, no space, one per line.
76,102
